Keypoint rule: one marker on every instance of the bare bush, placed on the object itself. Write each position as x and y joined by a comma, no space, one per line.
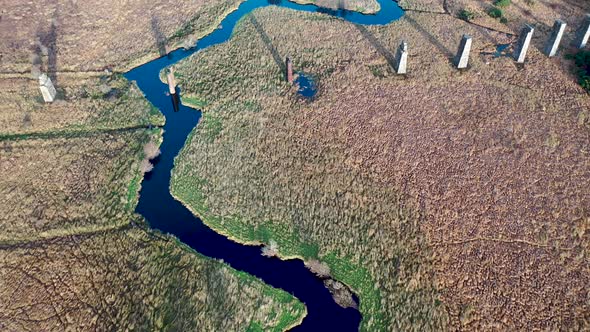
151,150
146,166
320,269
271,250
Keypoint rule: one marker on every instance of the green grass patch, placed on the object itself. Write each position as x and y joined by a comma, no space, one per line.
582,62
495,12
466,15
210,126
193,102
502,3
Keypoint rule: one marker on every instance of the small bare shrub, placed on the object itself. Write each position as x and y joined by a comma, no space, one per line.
271,250
151,150
146,166
318,268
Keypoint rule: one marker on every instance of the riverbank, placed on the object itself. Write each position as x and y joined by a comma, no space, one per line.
71,242
369,168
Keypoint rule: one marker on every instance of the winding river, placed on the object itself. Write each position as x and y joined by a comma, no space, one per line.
166,214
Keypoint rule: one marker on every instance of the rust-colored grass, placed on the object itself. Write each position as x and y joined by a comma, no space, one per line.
463,194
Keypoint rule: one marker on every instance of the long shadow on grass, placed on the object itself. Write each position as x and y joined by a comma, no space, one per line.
377,45
448,53
528,13
268,43
159,35
46,46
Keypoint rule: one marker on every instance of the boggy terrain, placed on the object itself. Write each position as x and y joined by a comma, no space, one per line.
73,254
444,198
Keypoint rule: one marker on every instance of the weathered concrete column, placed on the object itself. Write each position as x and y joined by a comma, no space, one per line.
171,81
522,45
401,58
462,58
583,33
289,68
555,38
47,88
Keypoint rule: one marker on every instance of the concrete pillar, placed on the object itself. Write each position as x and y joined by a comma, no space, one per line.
289,68
583,33
47,88
171,81
522,45
555,38
401,58
462,58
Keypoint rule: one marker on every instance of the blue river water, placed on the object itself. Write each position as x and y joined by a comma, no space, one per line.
166,214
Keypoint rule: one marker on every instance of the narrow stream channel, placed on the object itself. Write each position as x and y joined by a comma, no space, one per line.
166,214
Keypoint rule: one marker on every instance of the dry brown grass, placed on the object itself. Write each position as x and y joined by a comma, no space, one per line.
73,255
130,280
84,103
470,187
68,185
93,35
539,13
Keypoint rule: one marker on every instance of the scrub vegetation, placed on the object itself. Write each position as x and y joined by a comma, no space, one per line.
99,34
582,62
84,103
132,279
444,199
73,253
69,184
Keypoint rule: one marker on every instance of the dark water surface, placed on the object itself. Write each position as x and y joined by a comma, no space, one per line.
166,214
502,50
306,85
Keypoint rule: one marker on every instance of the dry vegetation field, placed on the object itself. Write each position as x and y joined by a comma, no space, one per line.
514,13
443,198
132,279
362,6
73,255
67,185
92,35
84,103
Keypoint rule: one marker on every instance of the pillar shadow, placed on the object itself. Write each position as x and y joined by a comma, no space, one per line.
529,13
46,46
390,57
159,36
340,10
448,53
268,43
